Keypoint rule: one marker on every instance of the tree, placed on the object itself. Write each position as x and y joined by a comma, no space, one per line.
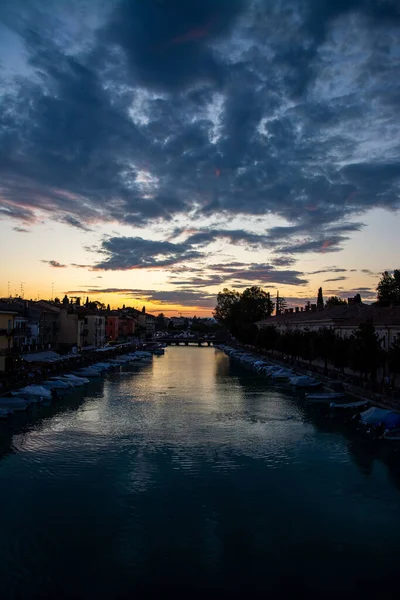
56,300
87,301
65,300
280,305
320,299
77,301
366,353
160,322
255,304
227,305
324,344
335,301
268,337
393,356
388,290
108,308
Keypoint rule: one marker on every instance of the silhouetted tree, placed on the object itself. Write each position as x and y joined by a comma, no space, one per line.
255,304
280,305
268,337
227,307
388,290
56,300
335,301
160,322
393,357
366,353
65,300
320,299
87,301
324,345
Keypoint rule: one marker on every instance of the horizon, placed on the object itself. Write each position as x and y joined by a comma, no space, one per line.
234,144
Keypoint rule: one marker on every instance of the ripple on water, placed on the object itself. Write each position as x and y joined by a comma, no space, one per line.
190,466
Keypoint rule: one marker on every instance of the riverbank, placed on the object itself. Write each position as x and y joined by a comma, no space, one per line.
35,372
383,400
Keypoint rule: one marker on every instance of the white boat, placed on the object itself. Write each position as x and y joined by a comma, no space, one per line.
76,378
14,404
102,366
392,434
56,384
86,372
324,398
34,390
304,381
349,405
72,382
282,374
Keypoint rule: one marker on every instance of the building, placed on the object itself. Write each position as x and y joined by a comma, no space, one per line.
95,326
126,326
147,322
7,316
49,324
72,329
112,326
343,319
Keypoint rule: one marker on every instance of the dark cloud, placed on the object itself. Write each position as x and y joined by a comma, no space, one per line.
208,108
180,297
54,263
168,44
328,270
123,253
261,273
21,230
335,279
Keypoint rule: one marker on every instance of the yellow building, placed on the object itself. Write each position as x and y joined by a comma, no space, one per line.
6,336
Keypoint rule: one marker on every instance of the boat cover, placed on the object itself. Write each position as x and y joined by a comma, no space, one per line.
47,356
392,421
374,415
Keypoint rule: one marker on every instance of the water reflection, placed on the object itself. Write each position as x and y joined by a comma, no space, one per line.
192,475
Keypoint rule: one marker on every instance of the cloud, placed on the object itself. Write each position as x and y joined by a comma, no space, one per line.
179,297
54,263
142,113
124,253
21,230
335,279
328,270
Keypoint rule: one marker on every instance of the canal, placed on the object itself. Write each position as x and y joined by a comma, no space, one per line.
189,476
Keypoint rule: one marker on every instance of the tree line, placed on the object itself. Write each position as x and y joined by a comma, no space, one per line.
362,351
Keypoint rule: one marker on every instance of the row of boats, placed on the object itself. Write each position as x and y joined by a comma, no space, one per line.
55,386
374,419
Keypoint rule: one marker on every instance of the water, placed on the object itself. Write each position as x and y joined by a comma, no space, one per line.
190,476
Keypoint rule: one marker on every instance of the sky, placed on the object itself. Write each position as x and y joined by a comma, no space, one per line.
153,152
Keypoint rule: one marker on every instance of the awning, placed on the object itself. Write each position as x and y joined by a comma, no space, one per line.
48,356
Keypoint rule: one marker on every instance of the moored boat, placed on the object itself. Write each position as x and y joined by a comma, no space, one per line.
304,381
324,398
349,405
86,372
34,390
392,435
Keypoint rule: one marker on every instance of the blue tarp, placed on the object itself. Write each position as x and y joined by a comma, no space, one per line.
376,416
392,421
